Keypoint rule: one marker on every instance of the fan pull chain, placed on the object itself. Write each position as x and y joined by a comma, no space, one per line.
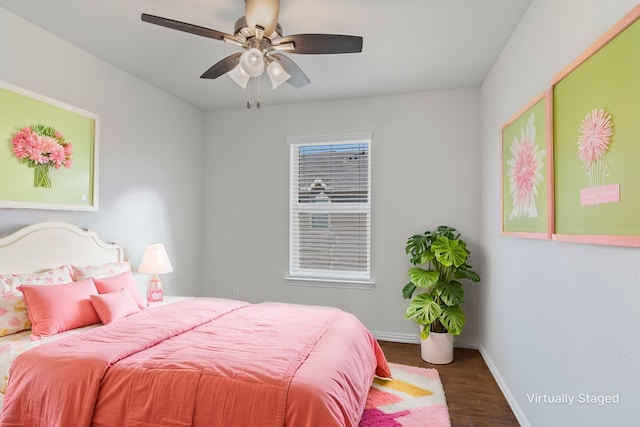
258,97
249,94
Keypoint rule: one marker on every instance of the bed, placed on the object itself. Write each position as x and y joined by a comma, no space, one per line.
193,362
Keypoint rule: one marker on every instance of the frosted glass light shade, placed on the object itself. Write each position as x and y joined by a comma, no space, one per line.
252,62
277,74
239,76
262,13
155,260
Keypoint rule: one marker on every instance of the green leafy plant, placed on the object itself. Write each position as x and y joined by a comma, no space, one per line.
439,262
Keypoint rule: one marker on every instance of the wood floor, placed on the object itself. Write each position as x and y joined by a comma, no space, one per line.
473,396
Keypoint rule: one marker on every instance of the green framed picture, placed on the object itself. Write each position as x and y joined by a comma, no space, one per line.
526,171
48,153
596,140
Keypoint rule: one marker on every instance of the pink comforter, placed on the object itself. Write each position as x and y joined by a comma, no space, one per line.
201,362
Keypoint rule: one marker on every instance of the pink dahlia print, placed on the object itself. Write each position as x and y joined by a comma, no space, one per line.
593,144
42,147
594,140
525,172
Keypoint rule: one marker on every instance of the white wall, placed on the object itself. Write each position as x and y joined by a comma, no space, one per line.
149,155
425,173
557,317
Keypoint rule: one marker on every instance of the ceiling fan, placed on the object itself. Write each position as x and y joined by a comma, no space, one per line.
260,34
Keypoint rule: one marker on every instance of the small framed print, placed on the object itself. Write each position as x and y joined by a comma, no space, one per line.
527,199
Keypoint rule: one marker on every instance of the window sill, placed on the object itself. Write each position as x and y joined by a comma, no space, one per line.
330,282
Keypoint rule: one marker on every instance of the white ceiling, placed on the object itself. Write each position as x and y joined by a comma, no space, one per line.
409,45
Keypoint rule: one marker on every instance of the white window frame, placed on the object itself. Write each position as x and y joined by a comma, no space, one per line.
326,277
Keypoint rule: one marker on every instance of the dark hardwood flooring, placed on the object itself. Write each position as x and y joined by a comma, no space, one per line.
473,396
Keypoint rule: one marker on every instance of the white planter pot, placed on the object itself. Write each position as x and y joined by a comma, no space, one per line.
438,348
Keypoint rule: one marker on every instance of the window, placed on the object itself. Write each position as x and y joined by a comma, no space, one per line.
330,208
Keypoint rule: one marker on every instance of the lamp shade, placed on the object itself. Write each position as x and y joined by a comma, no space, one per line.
277,74
239,76
252,62
263,13
155,260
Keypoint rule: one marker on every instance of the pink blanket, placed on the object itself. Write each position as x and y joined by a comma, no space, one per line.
201,362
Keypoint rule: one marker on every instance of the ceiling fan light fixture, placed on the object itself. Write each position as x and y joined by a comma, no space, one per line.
260,34
277,74
239,76
252,62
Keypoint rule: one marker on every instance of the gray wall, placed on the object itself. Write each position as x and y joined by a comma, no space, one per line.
556,317
149,155
425,173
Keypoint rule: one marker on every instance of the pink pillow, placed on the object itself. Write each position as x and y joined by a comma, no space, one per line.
121,281
114,305
57,308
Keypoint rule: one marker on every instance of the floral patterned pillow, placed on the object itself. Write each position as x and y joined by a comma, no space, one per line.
56,276
9,283
13,314
100,271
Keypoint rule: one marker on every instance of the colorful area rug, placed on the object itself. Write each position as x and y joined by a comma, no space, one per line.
413,398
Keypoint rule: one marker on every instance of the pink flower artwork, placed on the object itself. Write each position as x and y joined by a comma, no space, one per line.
42,147
595,132
39,144
525,171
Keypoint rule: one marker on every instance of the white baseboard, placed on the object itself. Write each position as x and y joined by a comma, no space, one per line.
517,411
393,337
462,343
415,339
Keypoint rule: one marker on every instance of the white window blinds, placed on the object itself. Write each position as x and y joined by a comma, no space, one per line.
330,207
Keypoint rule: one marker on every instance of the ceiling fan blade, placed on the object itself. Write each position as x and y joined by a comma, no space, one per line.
222,67
262,13
323,43
183,26
298,77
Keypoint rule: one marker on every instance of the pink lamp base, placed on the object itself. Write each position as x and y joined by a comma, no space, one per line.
154,289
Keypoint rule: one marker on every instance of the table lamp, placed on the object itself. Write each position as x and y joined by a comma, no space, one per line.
155,261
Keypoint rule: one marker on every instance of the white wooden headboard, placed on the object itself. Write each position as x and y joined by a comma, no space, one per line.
49,245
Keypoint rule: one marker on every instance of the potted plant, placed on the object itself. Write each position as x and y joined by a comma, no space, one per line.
439,262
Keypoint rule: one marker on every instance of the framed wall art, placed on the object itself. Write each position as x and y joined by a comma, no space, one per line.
48,153
527,198
596,141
